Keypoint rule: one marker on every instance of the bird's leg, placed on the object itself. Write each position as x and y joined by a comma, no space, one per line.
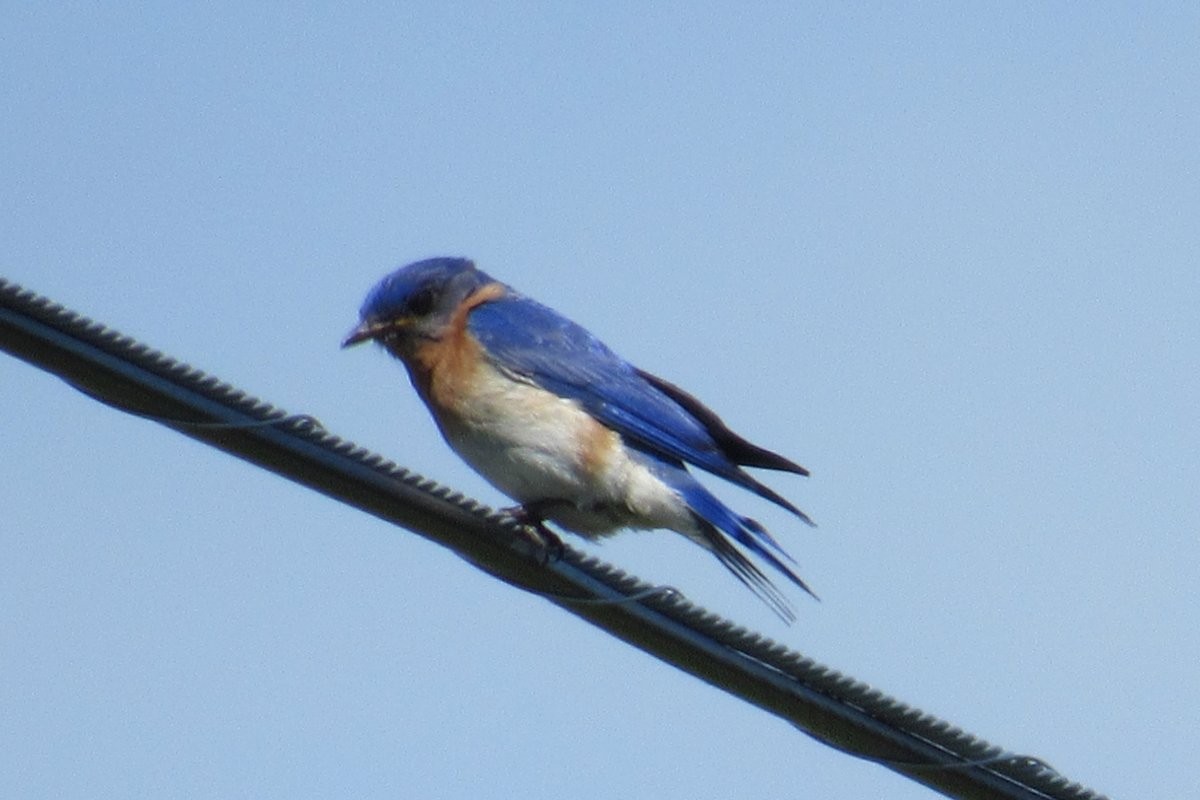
532,516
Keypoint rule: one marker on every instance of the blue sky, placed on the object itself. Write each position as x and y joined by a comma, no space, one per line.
945,256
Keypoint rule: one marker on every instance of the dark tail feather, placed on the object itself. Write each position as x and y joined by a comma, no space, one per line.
760,534
736,449
747,454
750,576
762,490
719,526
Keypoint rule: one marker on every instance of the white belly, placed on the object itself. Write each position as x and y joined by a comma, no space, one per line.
535,446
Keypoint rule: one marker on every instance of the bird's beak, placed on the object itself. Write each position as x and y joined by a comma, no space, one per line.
362,332
374,329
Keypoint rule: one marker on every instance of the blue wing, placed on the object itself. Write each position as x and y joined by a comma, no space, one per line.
535,343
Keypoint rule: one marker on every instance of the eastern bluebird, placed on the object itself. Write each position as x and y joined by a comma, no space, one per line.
551,417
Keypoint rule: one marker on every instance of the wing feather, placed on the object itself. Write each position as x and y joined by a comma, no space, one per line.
534,343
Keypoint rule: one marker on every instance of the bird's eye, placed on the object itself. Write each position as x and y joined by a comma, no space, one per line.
421,303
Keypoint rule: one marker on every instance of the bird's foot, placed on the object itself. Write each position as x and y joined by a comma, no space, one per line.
532,518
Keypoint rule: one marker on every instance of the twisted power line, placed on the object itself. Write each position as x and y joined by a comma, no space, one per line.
833,708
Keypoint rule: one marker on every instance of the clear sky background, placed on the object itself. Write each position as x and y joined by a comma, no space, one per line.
946,256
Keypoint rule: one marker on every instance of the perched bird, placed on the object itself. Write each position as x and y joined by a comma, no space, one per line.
550,416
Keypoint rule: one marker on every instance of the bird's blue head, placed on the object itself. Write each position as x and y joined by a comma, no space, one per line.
416,301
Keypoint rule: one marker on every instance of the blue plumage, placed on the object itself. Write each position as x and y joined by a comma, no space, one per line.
488,362
532,341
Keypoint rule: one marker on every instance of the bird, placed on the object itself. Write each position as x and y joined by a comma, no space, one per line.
577,436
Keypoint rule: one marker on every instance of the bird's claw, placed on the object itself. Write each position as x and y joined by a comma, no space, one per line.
533,526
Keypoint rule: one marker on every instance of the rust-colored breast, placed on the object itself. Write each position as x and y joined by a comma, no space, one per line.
444,369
